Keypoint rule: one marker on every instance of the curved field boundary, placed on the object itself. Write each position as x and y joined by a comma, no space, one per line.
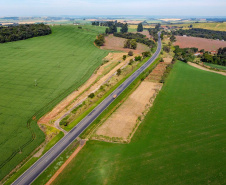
205,69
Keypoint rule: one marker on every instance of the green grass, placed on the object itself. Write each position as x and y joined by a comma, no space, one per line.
34,159
52,169
181,140
215,66
53,142
60,63
86,112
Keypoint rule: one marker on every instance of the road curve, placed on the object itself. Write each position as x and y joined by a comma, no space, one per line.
39,166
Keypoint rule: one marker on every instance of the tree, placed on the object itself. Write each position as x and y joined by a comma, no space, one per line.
124,28
138,58
157,27
172,38
100,40
124,57
91,95
130,53
146,54
127,43
161,60
113,29
140,27
133,44
166,49
119,71
131,61
107,31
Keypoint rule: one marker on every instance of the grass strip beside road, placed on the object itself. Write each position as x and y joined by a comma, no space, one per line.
119,98
85,113
30,162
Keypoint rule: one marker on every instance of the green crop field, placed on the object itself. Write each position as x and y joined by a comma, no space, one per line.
35,75
215,66
181,140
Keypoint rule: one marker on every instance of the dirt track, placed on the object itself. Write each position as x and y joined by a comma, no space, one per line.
205,69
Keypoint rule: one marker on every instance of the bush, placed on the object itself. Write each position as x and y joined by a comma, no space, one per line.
138,58
119,71
131,61
91,95
166,49
124,57
146,54
130,53
161,60
100,40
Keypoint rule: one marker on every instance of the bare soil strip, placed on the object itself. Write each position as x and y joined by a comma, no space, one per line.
205,69
122,122
65,164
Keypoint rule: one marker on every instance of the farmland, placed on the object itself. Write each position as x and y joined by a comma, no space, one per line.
209,26
200,43
215,66
181,140
35,75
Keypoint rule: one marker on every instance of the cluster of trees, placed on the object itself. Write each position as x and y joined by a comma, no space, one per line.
138,37
140,27
219,58
166,49
111,29
154,32
130,43
22,32
100,40
185,54
107,23
203,33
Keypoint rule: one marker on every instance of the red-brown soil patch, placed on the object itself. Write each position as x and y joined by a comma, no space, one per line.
65,164
117,43
200,43
156,74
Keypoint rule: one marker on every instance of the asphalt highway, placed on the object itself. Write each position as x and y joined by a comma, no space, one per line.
39,166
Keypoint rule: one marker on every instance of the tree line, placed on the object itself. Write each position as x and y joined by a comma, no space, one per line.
184,54
22,32
219,58
107,23
203,33
154,31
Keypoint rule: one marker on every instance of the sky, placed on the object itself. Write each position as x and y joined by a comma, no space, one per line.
113,7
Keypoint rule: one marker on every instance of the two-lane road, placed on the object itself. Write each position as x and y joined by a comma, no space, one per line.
37,168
